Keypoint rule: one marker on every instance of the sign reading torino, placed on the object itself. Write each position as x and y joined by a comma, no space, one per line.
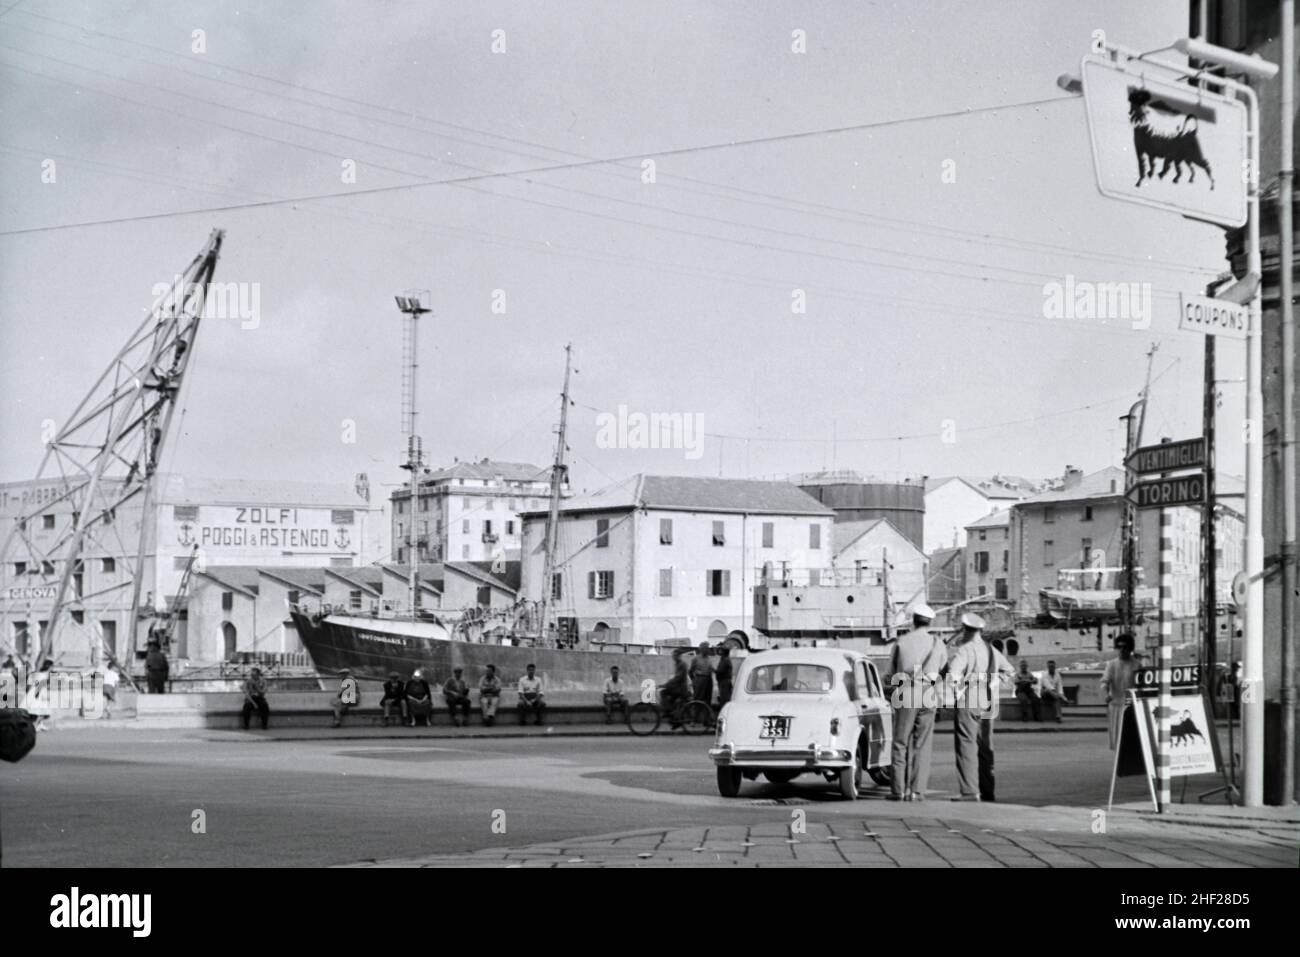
1169,492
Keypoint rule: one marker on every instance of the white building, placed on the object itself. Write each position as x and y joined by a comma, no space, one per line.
866,548
954,502
670,559
469,511
207,521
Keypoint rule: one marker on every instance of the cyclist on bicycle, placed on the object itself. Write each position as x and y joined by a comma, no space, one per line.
676,692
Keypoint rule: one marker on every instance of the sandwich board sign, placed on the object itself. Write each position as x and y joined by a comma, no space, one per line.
1193,742
1164,143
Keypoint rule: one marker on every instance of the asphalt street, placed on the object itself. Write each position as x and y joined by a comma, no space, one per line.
114,798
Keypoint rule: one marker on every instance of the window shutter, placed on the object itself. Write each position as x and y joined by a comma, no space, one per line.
726,582
591,584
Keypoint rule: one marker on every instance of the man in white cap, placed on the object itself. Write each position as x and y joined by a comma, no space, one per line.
975,669
914,667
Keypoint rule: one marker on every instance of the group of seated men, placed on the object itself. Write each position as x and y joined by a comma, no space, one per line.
411,702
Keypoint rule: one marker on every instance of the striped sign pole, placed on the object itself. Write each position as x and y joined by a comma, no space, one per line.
1165,704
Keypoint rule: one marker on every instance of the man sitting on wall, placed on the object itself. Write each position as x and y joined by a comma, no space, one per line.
456,693
531,699
489,695
394,697
419,700
615,695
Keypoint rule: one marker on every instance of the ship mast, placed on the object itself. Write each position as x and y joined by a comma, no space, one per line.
413,305
557,483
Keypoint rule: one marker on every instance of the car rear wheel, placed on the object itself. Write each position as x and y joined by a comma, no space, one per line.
728,782
851,778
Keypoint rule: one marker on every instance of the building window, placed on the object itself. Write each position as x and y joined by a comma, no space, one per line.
981,562
719,533
20,638
108,566
769,533
983,589
665,583
665,531
982,535
47,521
464,552
424,503
1087,513
227,600
1000,588
1049,515
557,587
717,581
487,526
1006,559
354,599
47,568
814,536
464,526
1049,557
20,568
79,617
510,527
602,533
1087,551
294,596
110,636
600,584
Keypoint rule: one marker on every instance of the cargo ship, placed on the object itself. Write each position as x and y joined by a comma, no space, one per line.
372,646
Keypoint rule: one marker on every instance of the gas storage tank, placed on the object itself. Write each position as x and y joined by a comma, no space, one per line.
856,497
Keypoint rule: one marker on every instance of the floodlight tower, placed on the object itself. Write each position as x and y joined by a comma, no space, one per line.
413,304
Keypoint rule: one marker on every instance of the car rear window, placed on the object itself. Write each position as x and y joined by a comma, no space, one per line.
781,679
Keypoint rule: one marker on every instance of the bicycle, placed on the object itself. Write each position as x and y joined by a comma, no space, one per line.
692,716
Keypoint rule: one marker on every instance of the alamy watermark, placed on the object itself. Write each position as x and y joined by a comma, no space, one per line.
653,430
43,692
222,300
1079,299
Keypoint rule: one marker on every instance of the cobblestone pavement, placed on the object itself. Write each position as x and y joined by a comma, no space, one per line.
941,835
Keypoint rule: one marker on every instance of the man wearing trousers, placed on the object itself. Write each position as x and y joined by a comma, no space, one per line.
917,658
976,668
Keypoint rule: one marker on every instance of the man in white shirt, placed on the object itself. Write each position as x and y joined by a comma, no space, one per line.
1052,691
914,666
531,699
615,695
976,669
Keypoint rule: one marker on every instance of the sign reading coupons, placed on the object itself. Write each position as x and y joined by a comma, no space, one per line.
1213,316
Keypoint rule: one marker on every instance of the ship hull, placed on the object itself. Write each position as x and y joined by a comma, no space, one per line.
373,648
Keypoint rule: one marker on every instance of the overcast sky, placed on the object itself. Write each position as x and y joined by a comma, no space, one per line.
924,296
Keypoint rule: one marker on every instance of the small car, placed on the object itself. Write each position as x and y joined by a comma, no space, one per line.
800,711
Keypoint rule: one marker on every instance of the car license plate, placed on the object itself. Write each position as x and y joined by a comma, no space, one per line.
775,726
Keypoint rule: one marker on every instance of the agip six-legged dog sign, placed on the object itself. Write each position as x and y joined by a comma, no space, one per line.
1165,143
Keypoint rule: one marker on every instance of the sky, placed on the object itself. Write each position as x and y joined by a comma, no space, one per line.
915,178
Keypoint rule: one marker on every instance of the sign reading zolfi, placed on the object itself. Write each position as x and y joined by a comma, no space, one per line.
254,527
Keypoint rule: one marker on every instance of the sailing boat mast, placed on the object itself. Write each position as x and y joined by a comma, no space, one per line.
557,483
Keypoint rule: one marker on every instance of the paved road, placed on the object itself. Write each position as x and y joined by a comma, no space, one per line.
118,798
